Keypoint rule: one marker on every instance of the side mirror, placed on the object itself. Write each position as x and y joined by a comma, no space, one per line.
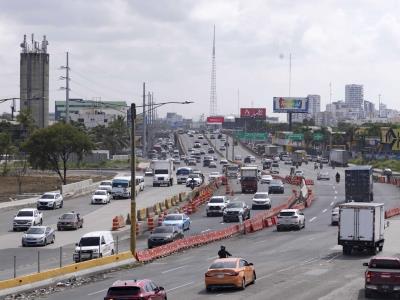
76,244
250,264
365,264
160,288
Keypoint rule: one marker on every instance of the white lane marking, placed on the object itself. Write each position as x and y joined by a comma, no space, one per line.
324,211
310,239
260,242
310,260
335,197
98,292
219,295
337,255
286,269
265,276
333,187
332,202
312,219
181,286
206,230
234,199
335,192
170,270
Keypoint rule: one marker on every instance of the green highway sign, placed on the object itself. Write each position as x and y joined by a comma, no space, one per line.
259,136
318,137
296,137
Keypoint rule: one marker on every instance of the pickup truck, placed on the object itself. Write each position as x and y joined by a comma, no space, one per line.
382,276
26,218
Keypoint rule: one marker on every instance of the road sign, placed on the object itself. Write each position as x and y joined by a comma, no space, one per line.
259,136
296,137
318,137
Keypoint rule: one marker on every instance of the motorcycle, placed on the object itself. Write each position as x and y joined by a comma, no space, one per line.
337,178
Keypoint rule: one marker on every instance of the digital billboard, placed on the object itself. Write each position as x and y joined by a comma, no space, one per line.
254,113
215,120
290,105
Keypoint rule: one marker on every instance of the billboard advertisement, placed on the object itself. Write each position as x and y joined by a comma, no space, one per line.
254,113
215,120
290,105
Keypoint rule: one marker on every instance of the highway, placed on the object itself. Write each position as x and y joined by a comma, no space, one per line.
306,264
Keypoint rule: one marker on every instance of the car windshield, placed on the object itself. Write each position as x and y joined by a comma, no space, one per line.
276,182
235,205
287,213
164,229
161,172
100,192
123,291
173,218
35,230
260,196
223,265
47,196
106,183
384,264
182,172
194,176
67,217
216,200
25,214
89,241
120,184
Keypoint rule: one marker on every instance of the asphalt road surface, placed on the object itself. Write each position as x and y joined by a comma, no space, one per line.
305,264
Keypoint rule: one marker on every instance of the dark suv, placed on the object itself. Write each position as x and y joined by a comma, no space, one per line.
234,211
71,220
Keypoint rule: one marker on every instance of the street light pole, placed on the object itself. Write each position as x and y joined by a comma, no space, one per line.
133,180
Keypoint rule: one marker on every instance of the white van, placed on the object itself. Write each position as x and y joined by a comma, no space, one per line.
139,184
94,245
121,187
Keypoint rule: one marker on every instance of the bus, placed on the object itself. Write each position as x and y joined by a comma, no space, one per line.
121,187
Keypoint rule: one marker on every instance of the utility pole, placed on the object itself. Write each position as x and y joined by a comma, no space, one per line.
144,138
66,87
67,90
133,180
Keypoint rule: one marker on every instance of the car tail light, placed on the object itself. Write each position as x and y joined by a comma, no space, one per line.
208,275
368,276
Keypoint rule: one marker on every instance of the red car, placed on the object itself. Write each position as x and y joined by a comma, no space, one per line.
143,289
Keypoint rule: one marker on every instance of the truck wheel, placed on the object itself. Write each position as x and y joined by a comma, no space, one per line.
374,250
368,293
380,248
346,250
41,222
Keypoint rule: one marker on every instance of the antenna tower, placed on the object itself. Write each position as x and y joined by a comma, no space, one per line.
213,92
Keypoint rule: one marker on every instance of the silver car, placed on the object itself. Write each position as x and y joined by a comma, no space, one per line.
335,216
38,236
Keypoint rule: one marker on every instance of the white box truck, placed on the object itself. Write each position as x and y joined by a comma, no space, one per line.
361,227
339,157
163,172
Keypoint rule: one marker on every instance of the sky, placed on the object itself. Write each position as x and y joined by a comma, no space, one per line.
116,45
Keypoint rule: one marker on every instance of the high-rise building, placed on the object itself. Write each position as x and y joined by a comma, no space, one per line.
354,97
34,80
314,107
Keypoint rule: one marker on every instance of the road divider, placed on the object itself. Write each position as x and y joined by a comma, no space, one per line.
118,222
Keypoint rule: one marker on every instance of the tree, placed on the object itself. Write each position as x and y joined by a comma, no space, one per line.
51,147
6,149
26,122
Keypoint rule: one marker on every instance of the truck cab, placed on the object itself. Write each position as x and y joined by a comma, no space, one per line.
249,179
163,172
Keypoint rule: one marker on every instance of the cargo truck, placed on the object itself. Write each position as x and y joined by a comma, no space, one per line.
359,184
339,157
361,227
271,151
163,172
249,179
298,157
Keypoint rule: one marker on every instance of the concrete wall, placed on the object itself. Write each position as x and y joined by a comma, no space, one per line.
78,188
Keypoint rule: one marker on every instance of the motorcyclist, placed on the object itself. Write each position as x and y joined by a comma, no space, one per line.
315,166
192,183
222,253
320,165
337,177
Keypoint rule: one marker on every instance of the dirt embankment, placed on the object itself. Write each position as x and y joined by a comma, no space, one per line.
36,183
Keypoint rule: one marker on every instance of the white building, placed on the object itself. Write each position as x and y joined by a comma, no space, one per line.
92,117
314,107
354,98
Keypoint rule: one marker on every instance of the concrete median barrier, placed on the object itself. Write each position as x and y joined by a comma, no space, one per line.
142,214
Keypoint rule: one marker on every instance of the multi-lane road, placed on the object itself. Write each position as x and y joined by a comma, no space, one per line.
304,264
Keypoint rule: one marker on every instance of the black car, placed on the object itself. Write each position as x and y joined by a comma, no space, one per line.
210,151
163,235
235,211
276,187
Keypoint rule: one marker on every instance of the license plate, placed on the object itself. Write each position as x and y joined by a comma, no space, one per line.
85,255
220,276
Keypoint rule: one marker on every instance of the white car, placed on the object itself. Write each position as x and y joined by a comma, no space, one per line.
223,162
238,157
266,179
335,216
213,176
323,176
101,197
261,200
216,205
290,218
197,180
51,200
288,162
105,185
299,173
26,218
